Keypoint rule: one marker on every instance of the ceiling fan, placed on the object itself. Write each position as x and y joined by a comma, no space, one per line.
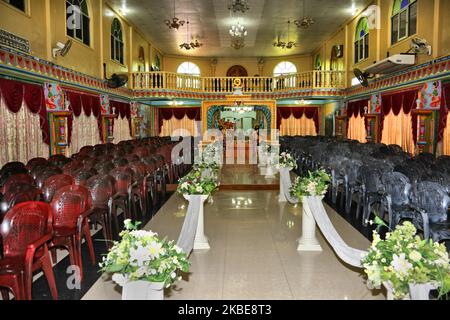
116,80
363,77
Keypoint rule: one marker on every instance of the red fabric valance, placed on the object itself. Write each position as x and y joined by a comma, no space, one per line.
355,108
15,93
12,92
298,113
404,100
178,113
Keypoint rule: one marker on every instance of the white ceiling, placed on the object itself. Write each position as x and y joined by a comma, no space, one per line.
210,21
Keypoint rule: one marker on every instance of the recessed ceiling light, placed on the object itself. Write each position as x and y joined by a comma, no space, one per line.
109,13
353,9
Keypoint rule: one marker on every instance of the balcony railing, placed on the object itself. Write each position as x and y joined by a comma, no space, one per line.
182,82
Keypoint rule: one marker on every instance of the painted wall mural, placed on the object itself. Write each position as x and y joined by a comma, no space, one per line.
430,96
54,97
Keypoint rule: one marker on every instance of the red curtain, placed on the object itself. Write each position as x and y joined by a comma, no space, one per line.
355,108
298,112
178,113
443,113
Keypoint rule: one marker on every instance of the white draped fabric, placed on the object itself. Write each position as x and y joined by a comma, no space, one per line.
20,135
189,229
121,130
84,132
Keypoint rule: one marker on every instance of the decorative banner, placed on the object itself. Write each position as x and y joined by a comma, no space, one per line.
375,103
54,97
104,104
430,96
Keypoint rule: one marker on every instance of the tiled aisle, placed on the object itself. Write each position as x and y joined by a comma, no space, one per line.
253,254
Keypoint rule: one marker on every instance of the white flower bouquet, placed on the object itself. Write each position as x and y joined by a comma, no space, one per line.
315,184
141,255
403,258
286,160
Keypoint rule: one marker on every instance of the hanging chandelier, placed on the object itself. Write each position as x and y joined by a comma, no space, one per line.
306,21
238,6
285,45
175,23
190,45
238,33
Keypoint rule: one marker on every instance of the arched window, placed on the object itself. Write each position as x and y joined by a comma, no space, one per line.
116,41
362,40
404,19
284,68
78,22
188,70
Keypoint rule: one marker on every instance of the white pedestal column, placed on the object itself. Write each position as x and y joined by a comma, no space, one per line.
201,241
308,240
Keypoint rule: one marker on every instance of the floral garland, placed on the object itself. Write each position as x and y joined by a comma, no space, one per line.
315,184
286,160
141,255
403,258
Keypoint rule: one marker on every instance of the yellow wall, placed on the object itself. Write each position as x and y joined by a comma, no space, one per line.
32,25
45,24
432,24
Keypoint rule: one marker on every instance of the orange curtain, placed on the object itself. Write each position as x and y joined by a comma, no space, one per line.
446,140
357,129
185,124
398,130
298,127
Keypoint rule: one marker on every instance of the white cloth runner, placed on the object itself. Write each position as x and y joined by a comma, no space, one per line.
348,254
285,180
314,206
187,234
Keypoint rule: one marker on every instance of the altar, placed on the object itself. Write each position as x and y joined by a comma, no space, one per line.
239,111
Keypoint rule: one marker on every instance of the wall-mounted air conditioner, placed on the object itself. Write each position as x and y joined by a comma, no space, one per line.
392,64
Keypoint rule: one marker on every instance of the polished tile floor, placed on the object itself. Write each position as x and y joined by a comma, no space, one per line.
253,251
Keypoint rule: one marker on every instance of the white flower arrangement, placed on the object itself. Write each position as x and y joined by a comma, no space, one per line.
403,258
315,184
286,160
197,182
141,255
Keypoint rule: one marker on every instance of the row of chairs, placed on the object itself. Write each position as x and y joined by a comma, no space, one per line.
91,187
382,180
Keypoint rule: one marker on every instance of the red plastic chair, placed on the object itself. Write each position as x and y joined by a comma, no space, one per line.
25,230
102,189
122,199
53,184
82,176
71,209
36,162
22,193
45,174
13,181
